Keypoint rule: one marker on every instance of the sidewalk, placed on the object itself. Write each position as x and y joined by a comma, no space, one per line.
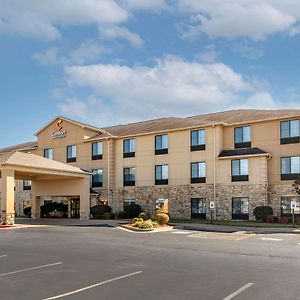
230,229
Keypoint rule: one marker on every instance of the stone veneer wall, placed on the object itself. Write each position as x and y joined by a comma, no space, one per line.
276,191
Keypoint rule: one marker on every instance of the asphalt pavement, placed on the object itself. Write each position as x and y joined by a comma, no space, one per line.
104,262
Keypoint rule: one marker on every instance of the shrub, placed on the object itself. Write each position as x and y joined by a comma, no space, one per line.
162,218
54,209
285,220
146,225
132,210
121,215
27,211
109,215
98,211
144,216
269,219
261,212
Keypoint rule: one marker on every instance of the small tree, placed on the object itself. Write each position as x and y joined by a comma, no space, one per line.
296,185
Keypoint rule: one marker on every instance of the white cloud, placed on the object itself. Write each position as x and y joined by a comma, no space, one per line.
41,19
153,5
209,55
248,51
231,19
113,32
171,87
88,51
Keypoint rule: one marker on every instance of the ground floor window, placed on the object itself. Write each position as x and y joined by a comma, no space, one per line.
161,205
240,208
286,205
128,201
198,208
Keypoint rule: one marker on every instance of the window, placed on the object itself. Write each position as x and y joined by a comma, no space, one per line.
198,208
26,185
198,140
240,208
48,153
161,205
290,167
129,148
239,170
129,176
128,201
161,174
242,137
71,154
97,178
290,132
198,172
286,204
161,144
96,150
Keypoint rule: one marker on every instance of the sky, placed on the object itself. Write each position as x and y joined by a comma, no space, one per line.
108,62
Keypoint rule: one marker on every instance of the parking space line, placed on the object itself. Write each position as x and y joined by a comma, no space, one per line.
30,269
4,255
93,286
182,232
240,290
271,239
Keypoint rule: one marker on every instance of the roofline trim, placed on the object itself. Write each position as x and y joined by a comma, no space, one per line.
268,155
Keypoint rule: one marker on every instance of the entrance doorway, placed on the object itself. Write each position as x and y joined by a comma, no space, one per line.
75,208
198,208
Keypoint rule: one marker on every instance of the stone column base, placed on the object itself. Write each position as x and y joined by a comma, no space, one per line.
84,215
7,218
35,215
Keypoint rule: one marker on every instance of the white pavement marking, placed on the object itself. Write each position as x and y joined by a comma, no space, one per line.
29,269
271,239
182,232
4,255
93,286
237,292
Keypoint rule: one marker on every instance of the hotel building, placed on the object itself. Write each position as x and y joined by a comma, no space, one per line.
239,159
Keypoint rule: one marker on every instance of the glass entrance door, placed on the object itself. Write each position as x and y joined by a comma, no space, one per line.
75,208
240,208
198,208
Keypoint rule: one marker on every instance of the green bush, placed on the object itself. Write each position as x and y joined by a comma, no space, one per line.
121,215
262,212
27,211
144,216
146,225
51,209
98,211
162,218
109,215
132,210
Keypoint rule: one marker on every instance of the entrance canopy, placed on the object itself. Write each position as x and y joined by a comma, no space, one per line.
48,177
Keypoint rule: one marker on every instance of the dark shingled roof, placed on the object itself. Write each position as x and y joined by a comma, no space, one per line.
238,152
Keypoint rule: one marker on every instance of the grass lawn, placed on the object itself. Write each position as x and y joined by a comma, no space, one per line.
236,223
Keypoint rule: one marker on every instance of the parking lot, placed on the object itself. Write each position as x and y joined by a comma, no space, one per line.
103,262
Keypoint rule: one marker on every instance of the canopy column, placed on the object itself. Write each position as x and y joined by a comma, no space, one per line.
7,196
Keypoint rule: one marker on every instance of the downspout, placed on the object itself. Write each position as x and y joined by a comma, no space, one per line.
214,180
108,171
267,182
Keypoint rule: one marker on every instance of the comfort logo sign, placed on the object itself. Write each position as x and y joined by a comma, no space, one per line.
60,132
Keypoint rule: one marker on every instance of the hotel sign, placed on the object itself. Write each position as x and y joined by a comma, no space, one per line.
60,132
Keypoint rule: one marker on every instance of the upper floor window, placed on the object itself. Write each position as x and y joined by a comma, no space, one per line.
129,176
97,178
290,167
242,137
96,150
290,132
48,153
161,144
161,174
198,139
129,148
198,172
26,185
71,153
239,170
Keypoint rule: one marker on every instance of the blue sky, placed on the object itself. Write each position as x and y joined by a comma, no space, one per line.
109,62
